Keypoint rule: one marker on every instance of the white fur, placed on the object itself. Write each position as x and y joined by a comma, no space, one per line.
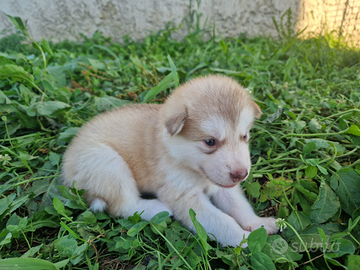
246,121
161,149
98,205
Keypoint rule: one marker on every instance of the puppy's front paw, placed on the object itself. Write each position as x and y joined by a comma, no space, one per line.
267,222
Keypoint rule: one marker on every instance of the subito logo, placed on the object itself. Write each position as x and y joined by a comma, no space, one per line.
280,246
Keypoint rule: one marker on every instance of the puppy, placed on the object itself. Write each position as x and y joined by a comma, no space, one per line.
190,152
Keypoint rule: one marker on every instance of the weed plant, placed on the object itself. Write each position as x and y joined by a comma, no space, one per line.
305,150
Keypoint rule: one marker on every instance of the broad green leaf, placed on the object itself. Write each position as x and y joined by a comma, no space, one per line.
326,205
24,90
334,262
272,117
46,47
308,148
48,86
96,64
352,224
31,252
26,264
353,130
346,184
14,220
253,189
59,206
311,237
54,158
322,169
279,250
226,258
68,134
106,103
338,235
199,229
312,161
39,187
299,220
340,247
262,261
160,217
63,94
58,76
7,239
4,99
134,230
163,85
66,193
299,125
314,126
343,124
89,217
124,243
47,108
319,143
62,263
353,262
158,228
5,202
51,192
66,245
23,222
311,196
5,61
17,73
17,21
339,148
291,114
125,223
79,254
311,171
257,240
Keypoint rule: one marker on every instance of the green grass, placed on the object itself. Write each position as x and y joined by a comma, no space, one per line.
305,149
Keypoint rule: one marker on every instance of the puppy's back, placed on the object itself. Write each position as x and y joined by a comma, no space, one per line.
126,130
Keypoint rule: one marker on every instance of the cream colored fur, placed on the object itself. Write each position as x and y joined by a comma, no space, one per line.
161,149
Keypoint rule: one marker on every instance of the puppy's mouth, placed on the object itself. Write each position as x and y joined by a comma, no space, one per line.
227,186
216,183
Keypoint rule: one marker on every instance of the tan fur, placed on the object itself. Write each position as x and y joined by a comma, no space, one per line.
160,149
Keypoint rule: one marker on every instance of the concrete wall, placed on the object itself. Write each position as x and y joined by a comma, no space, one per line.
65,19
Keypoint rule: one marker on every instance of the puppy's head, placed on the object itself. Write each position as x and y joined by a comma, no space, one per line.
207,128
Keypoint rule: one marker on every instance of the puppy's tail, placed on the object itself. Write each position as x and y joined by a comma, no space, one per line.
98,205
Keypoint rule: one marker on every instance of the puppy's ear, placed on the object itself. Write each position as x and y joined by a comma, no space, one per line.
257,110
175,122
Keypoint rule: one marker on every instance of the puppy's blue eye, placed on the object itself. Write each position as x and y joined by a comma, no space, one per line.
210,142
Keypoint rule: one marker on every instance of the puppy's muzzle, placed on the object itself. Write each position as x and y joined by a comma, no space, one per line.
239,175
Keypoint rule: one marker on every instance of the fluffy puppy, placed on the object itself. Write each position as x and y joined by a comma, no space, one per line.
190,152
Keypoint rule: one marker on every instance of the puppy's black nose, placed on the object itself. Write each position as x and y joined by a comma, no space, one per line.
239,175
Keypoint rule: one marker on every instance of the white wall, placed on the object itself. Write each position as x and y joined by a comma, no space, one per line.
65,19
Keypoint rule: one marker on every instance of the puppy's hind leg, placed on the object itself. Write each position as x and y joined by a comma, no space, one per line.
110,184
